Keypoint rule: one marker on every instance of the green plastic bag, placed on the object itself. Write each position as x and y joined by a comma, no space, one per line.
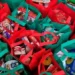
28,8
69,3
36,25
11,72
18,68
61,53
12,3
69,46
39,23
3,49
59,59
57,51
61,29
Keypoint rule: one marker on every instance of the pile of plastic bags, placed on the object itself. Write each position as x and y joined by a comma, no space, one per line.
37,37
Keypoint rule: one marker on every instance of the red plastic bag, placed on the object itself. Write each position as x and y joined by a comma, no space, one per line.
35,46
72,36
35,37
48,64
23,49
22,33
4,11
34,59
40,6
46,40
26,55
63,15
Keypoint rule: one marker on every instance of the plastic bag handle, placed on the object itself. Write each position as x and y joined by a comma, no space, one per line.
55,38
71,55
24,41
60,31
3,69
47,73
12,71
44,57
17,20
3,52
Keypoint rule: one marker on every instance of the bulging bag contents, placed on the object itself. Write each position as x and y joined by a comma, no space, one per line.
43,5
8,65
38,40
67,56
48,64
27,46
43,2
69,3
63,15
35,37
45,38
70,66
21,13
25,14
25,50
59,30
8,28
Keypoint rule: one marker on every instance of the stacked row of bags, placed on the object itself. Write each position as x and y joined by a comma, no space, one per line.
37,37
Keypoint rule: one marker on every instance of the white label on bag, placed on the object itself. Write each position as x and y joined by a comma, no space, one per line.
41,1
46,1
49,29
10,64
60,54
71,5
